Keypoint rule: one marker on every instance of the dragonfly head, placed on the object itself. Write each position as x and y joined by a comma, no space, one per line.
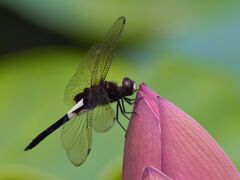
128,86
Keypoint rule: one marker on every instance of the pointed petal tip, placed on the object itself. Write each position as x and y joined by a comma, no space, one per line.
151,173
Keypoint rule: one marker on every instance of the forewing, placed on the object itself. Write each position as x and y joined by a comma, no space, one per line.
95,66
77,138
87,73
80,80
103,118
100,53
115,32
111,41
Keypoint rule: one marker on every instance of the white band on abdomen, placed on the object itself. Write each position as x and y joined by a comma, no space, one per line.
71,113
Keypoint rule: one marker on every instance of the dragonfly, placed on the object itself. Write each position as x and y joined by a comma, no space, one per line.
91,96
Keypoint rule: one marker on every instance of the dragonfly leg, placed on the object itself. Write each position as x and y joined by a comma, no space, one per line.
123,107
117,108
129,101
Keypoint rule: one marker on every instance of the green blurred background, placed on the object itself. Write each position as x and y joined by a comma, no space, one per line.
188,52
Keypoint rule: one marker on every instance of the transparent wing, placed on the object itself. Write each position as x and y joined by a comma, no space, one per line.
80,80
114,33
103,118
77,138
95,66
100,53
110,44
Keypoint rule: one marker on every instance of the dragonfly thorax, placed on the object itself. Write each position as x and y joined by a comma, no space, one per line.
116,92
113,90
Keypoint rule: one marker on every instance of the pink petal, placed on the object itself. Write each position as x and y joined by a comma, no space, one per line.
163,136
151,173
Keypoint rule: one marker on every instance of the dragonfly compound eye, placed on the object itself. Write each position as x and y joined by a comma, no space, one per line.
128,86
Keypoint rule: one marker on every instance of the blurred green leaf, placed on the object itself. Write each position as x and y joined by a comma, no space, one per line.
20,172
112,171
